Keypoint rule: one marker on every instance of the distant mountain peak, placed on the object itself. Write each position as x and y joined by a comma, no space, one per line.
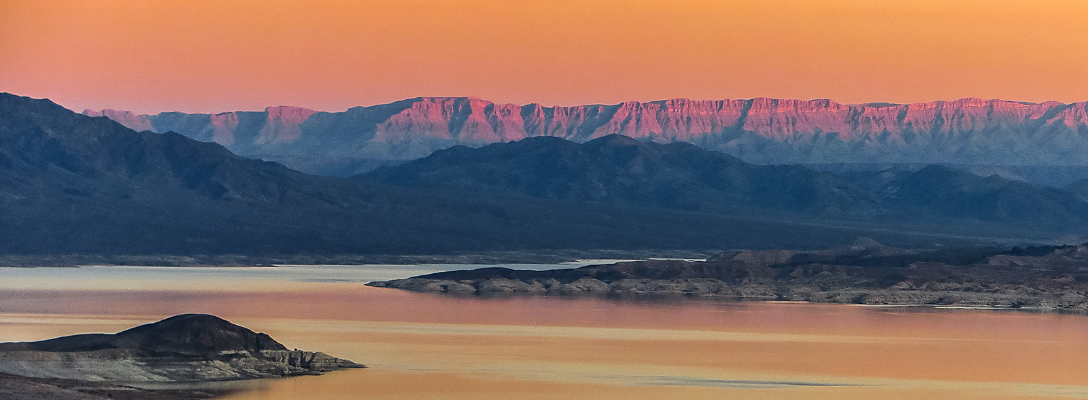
129,119
289,114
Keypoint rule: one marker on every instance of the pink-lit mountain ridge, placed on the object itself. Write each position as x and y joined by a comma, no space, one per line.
967,131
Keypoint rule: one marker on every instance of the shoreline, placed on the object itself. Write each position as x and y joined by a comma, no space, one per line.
667,298
1048,279
238,260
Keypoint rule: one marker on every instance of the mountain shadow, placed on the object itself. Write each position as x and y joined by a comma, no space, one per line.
617,169
620,170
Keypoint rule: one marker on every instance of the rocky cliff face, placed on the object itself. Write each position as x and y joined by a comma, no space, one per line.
966,131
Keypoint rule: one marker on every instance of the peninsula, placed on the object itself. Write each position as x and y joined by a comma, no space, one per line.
1048,278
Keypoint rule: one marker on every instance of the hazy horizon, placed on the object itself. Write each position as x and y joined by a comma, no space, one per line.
206,56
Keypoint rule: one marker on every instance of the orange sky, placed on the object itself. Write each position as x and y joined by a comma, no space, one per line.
204,56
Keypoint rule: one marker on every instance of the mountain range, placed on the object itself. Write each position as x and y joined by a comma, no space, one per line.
767,131
78,184
620,170
73,183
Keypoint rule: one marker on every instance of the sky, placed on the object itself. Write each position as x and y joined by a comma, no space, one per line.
210,56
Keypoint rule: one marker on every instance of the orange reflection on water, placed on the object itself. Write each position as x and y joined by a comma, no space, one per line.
395,385
428,346
929,358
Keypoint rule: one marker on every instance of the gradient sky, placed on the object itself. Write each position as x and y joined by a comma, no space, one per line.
209,56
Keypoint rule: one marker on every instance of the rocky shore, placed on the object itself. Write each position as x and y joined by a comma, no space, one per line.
189,348
1038,278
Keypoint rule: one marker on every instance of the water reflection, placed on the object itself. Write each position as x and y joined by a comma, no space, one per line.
431,346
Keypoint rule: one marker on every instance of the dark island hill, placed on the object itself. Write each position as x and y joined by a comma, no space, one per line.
183,348
71,183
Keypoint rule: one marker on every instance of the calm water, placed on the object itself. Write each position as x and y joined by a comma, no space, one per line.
423,346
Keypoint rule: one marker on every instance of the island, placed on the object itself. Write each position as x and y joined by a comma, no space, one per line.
1045,278
189,348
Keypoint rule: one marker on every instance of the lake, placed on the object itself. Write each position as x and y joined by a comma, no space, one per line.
424,346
